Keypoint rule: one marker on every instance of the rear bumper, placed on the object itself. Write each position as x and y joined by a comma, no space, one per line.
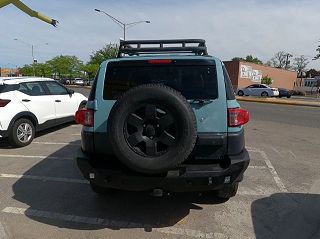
188,177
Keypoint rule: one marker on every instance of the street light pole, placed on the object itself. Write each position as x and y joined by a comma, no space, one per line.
123,25
32,51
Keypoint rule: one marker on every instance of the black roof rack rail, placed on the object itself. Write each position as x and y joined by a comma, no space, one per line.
139,47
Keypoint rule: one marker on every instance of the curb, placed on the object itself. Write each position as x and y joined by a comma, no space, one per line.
280,102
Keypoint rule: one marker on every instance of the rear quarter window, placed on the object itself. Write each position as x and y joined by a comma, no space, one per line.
229,88
2,88
8,88
193,81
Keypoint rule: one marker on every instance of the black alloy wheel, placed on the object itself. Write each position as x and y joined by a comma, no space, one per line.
151,130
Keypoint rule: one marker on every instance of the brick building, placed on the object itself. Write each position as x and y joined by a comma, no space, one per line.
244,73
4,72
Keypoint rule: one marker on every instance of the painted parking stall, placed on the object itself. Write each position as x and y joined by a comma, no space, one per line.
42,194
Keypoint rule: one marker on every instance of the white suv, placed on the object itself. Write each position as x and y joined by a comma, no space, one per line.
32,104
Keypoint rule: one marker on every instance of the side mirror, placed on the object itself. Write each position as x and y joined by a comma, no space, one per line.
70,92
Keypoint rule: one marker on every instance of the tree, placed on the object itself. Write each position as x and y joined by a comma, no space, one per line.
312,73
318,55
107,52
300,63
91,69
281,60
249,58
266,80
66,66
26,70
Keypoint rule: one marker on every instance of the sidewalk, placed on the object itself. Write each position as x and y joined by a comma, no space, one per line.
282,101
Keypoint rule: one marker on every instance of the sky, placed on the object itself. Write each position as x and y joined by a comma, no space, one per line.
231,27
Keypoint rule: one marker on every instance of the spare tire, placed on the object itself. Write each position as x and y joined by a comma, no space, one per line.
152,128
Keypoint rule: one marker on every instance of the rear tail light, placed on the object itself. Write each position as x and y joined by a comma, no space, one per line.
85,117
160,61
237,117
3,103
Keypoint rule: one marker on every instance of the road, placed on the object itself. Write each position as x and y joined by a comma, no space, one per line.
42,194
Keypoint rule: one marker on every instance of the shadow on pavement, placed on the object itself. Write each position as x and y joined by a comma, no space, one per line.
121,209
287,216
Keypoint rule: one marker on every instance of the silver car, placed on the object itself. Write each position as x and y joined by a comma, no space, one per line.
258,90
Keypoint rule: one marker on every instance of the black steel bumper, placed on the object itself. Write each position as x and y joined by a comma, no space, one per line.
187,177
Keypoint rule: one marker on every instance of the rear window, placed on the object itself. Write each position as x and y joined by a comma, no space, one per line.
193,81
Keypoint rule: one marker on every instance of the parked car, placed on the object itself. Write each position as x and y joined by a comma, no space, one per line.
285,93
65,81
88,82
79,81
28,105
167,122
258,90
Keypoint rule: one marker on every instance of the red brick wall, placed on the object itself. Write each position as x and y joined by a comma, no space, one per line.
281,78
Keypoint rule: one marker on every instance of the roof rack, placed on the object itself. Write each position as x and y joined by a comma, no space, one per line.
140,47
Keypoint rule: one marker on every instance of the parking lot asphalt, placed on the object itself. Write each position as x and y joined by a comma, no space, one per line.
43,195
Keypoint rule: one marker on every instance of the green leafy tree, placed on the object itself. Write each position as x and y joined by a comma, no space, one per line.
266,80
26,70
90,69
249,58
66,66
107,52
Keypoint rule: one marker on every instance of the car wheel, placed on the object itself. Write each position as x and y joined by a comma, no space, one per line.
152,128
228,191
22,133
264,94
82,105
101,190
240,93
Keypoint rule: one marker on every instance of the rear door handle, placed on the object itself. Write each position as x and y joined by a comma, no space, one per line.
26,100
58,101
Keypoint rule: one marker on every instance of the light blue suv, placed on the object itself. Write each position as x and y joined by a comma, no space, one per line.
163,116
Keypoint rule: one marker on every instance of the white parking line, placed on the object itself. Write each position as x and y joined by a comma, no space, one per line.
44,178
110,223
257,167
33,156
55,143
272,170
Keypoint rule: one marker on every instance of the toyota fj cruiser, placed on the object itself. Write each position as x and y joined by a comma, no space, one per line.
163,115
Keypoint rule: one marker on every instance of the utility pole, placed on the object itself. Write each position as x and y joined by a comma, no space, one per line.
32,52
123,25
